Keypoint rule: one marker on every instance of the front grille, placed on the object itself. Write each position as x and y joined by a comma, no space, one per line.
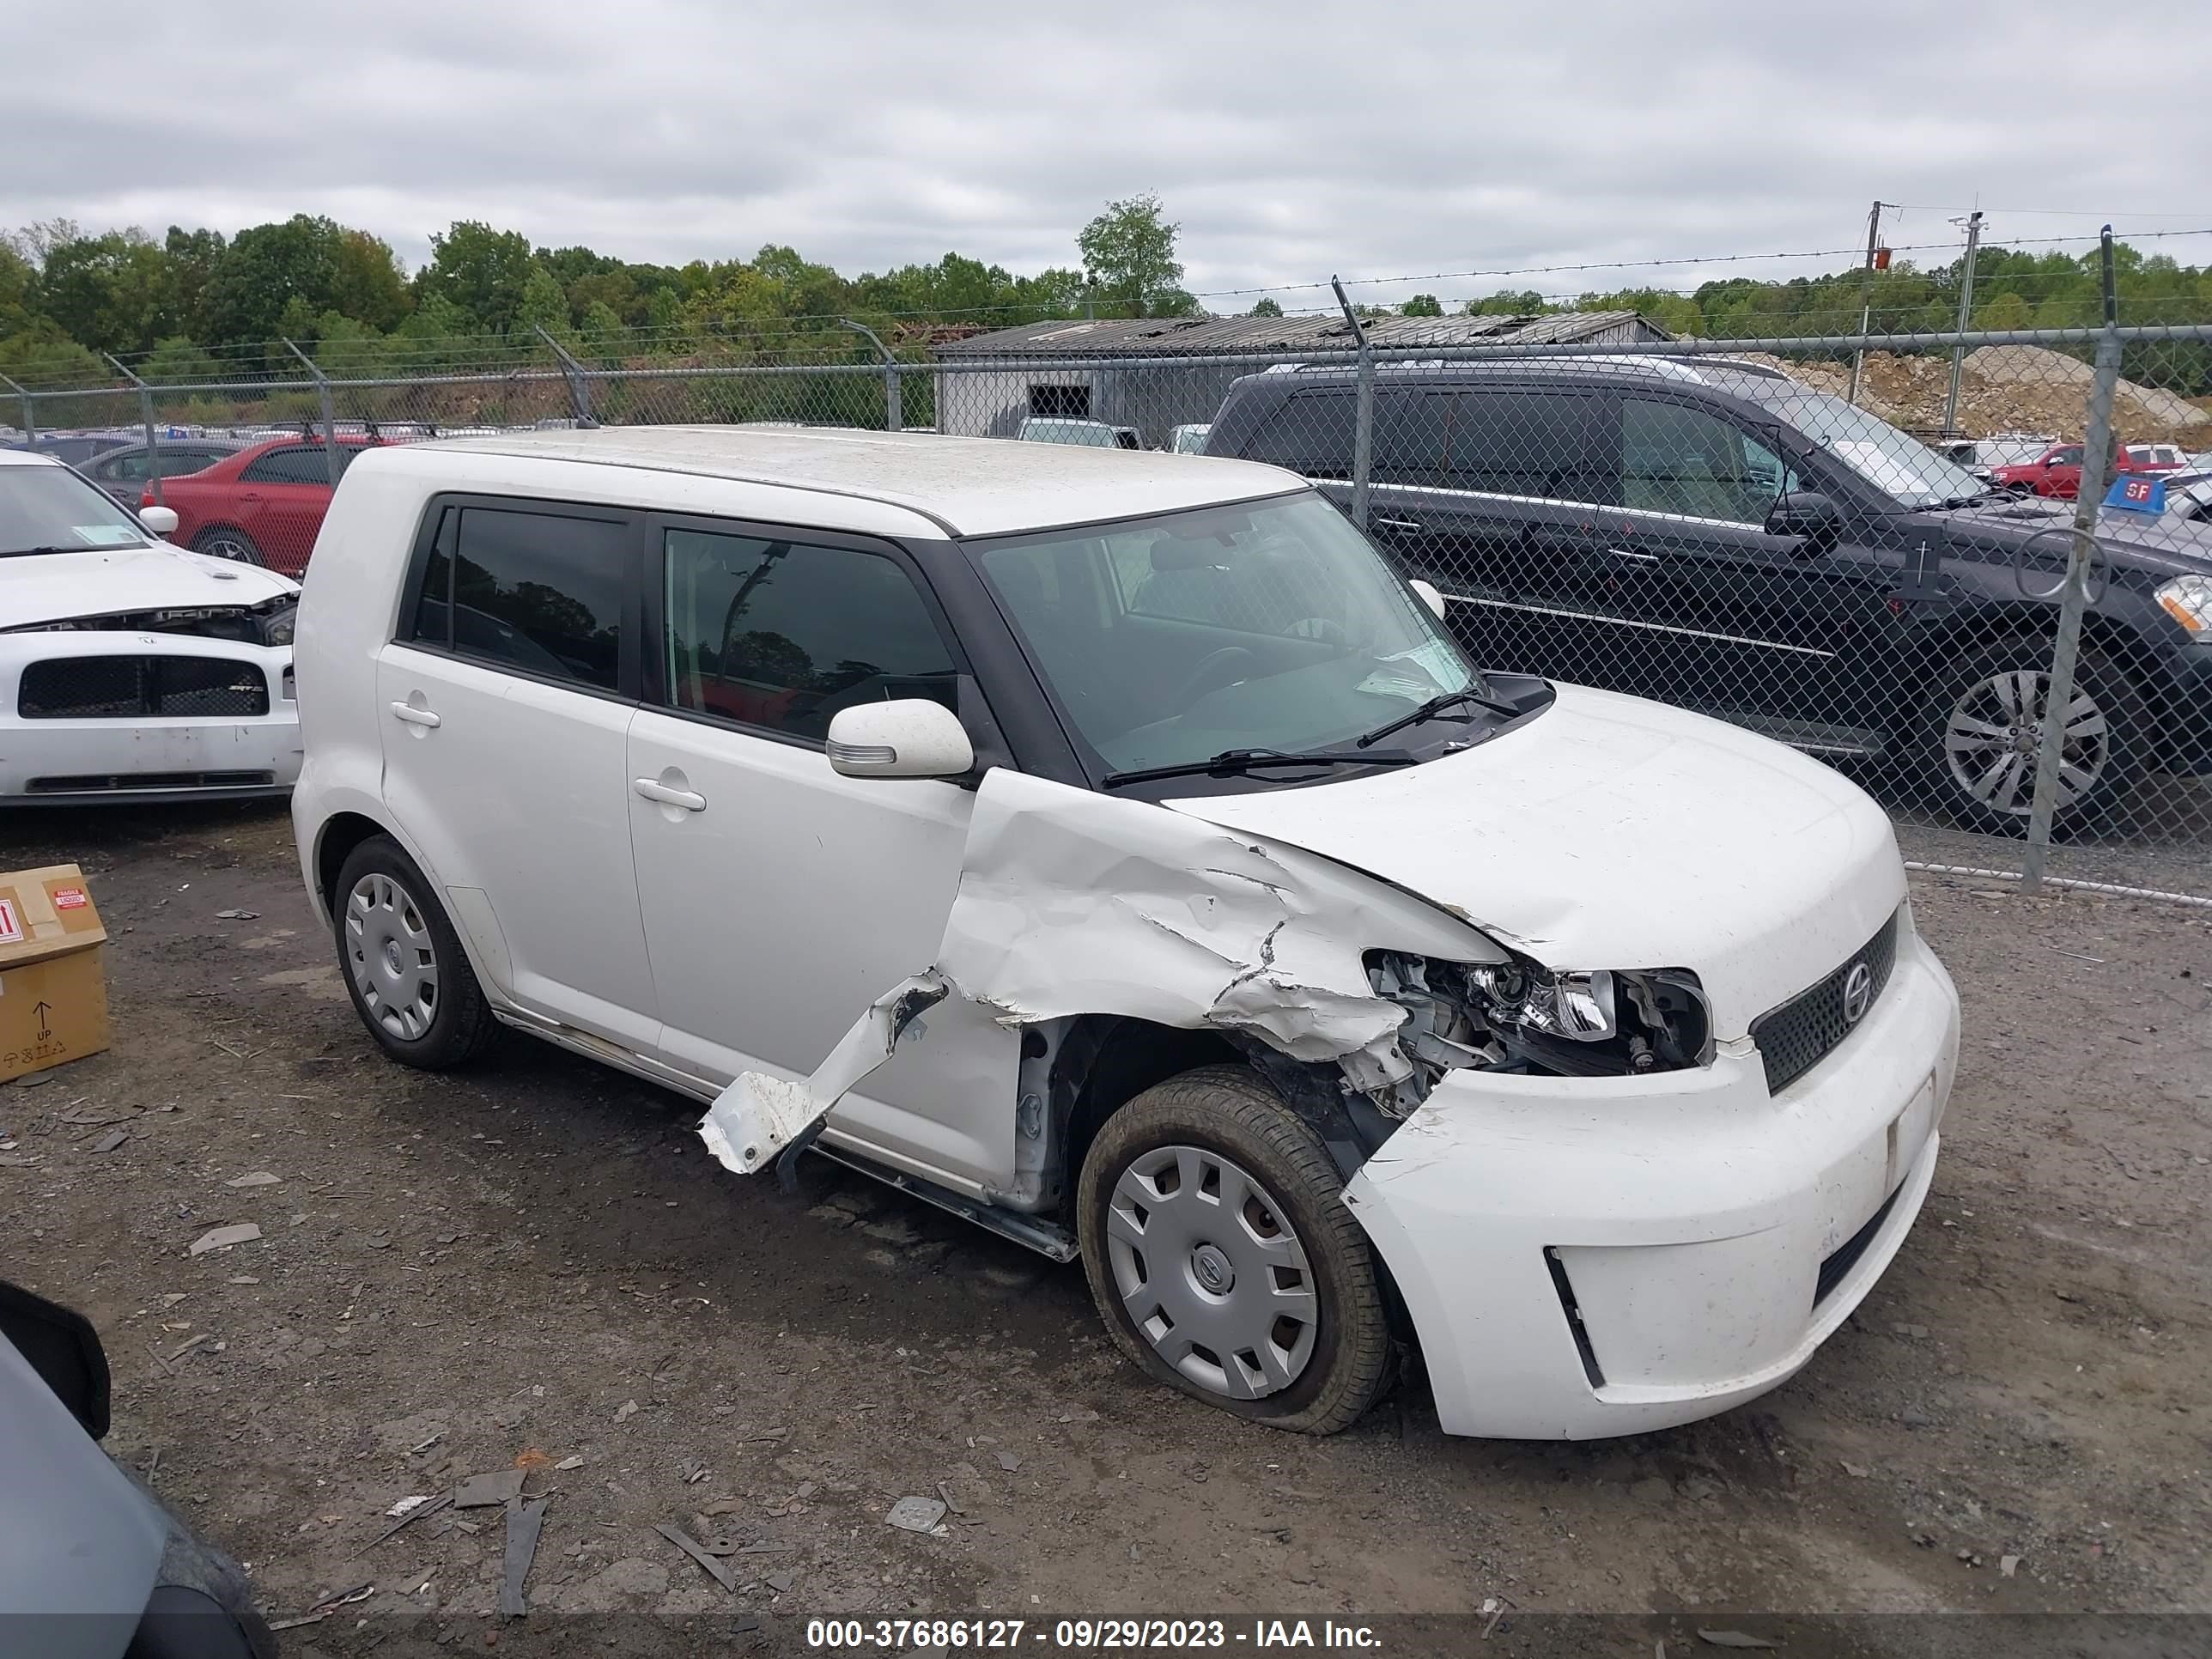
89,783
1796,1036
131,688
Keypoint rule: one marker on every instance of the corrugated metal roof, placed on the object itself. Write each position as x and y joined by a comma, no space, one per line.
1175,335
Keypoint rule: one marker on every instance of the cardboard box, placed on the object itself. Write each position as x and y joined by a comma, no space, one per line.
53,982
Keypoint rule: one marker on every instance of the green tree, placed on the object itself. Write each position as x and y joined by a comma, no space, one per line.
481,271
193,255
1267,307
265,268
367,282
106,292
1130,259
1422,305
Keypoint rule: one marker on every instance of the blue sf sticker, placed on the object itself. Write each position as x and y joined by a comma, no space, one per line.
2137,494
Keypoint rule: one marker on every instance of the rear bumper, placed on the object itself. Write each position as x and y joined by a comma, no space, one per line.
82,761
1591,1257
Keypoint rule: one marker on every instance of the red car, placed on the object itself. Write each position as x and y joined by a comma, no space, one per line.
2057,471
262,505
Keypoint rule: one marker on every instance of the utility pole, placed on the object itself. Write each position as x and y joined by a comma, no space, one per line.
1966,321
1874,252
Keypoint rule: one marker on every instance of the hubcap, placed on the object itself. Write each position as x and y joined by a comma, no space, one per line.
1211,1272
1995,735
389,952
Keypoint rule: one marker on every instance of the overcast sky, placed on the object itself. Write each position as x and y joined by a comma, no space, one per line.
1289,140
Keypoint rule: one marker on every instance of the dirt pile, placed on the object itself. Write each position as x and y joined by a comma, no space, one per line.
2016,388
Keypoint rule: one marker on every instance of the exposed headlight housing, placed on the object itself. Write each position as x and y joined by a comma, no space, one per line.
1521,1016
2188,600
278,622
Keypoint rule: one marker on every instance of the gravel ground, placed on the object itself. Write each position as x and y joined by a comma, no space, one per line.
536,1262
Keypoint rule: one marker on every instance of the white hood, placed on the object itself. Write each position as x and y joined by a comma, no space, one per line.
46,587
1611,832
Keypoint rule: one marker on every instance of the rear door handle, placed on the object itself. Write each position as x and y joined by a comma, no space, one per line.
249,495
653,789
1396,523
414,716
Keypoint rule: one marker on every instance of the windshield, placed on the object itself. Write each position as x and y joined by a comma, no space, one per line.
49,509
1898,466
1270,625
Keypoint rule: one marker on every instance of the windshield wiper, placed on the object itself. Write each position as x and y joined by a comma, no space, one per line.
1231,762
1434,706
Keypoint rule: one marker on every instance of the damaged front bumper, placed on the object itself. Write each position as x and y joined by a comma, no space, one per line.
1593,1256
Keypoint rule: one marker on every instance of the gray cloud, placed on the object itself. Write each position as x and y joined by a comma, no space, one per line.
1290,140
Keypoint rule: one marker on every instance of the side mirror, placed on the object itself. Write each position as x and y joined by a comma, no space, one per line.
64,1349
1808,514
1430,596
911,738
159,521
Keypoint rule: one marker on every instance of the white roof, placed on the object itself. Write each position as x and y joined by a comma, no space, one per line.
964,486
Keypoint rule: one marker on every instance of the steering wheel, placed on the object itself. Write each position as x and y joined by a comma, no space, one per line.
1218,668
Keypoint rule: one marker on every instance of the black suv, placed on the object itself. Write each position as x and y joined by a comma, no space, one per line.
1716,535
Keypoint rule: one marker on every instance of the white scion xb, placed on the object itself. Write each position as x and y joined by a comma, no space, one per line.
1116,850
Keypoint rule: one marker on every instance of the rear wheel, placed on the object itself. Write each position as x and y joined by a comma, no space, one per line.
1223,1259
224,542
403,965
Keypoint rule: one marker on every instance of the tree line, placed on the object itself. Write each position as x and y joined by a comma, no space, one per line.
200,306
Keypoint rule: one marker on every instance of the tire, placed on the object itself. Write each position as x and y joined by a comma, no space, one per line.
1978,726
1310,1365
403,963
224,542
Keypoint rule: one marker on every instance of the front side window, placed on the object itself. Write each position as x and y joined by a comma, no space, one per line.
784,634
1271,625
539,593
1677,459
297,465
50,509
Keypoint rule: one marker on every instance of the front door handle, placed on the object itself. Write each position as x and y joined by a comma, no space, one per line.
414,716
1395,524
1632,553
250,496
652,789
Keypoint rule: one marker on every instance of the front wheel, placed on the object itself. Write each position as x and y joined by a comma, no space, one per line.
1223,1259
1981,732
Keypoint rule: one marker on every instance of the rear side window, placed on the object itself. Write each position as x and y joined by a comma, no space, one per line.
1544,445
539,593
1310,431
784,634
297,465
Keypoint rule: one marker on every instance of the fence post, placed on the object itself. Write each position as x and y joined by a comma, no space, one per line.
146,415
329,415
30,412
2096,450
1363,422
894,415
578,377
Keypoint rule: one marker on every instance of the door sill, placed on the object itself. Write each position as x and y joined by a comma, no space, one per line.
1047,1238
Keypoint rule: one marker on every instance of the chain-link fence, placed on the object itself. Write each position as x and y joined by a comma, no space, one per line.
1973,569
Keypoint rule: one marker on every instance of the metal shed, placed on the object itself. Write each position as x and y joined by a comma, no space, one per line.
1157,372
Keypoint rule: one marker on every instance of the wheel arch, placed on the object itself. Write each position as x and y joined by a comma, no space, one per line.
1103,1061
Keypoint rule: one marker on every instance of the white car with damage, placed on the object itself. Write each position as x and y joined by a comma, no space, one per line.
132,670
1116,850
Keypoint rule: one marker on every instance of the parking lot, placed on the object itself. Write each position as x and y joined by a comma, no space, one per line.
537,1260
